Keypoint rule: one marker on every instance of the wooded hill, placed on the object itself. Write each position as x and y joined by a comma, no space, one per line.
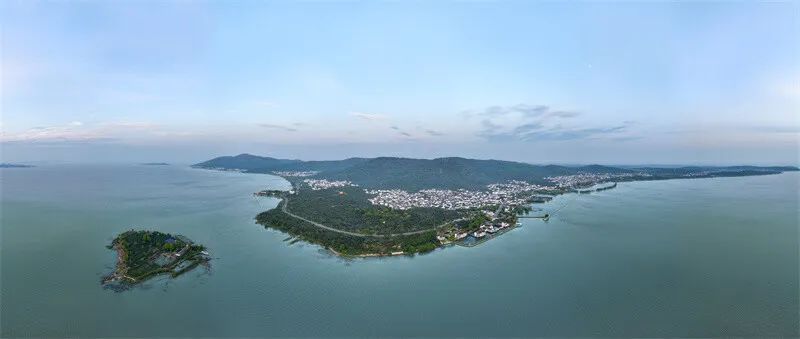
454,172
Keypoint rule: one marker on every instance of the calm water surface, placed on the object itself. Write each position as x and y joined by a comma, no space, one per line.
704,257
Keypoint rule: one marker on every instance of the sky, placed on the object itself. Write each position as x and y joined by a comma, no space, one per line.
712,83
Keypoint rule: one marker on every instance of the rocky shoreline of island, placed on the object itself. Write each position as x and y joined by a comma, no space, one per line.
142,255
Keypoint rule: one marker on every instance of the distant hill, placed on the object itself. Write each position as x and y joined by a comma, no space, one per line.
670,172
7,165
451,173
455,172
245,162
257,164
406,173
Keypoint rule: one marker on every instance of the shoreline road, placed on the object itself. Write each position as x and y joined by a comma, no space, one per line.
285,209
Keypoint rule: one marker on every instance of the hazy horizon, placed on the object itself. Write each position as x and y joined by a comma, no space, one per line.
546,83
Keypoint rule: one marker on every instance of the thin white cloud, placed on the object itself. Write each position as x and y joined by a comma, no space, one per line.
789,89
278,127
370,116
434,133
78,131
524,122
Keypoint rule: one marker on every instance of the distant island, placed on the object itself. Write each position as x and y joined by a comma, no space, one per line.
142,255
8,165
155,164
401,206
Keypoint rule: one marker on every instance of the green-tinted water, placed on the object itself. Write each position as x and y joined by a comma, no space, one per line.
707,257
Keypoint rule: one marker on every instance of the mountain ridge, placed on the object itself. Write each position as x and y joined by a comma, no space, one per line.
458,172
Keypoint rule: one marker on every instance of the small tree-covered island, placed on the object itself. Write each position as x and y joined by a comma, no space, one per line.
142,255
400,206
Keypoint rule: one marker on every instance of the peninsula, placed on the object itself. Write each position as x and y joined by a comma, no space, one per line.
391,206
142,255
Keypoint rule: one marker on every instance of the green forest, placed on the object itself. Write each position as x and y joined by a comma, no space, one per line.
343,243
348,208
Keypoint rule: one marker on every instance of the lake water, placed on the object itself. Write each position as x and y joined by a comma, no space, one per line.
678,258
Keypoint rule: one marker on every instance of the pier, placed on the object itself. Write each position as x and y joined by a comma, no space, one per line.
545,216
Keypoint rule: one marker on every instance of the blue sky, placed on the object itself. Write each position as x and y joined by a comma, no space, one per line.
612,83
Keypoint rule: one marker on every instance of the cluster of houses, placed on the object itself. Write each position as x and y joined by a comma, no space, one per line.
493,225
300,174
516,187
490,228
187,244
512,193
321,184
589,179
